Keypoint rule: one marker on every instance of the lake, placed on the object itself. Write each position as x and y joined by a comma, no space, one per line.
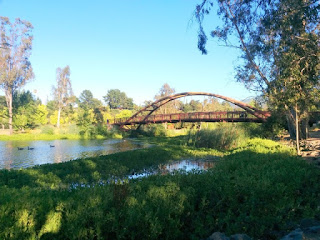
59,151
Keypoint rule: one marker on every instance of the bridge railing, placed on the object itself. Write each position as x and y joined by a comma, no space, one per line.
191,116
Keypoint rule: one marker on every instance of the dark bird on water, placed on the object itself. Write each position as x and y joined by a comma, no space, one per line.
20,148
52,145
30,148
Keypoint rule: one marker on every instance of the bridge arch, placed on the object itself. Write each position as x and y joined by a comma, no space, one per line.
149,109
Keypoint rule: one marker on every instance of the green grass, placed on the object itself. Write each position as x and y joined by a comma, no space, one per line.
30,137
260,189
71,132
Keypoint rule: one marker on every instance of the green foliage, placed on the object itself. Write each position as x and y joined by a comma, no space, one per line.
85,121
153,130
20,121
192,106
87,101
225,137
16,70
54,118
279,43
63,91
47,129
27,112
275,125
117,99
41,115
257,189
71,129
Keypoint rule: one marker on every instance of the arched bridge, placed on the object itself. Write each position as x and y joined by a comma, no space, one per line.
145,116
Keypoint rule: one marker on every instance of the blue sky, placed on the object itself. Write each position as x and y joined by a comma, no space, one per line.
135,46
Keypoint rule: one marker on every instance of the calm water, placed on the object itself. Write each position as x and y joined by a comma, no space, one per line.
63,150
186,165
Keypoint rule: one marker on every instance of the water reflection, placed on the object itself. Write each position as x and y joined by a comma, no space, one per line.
59,151
185,165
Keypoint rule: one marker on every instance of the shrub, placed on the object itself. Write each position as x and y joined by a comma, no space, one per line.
47,129
222,138
72,129
155,130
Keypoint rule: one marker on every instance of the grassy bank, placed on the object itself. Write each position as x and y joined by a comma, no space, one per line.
259,188
43,136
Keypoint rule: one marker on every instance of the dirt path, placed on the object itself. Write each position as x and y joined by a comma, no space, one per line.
311,148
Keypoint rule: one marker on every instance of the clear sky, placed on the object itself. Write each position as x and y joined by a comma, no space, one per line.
133,45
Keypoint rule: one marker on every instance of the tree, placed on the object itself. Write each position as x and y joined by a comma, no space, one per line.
118,100
16,70
279,42
3,111
25,109
63,91
41,115
165,91
87,101
192,106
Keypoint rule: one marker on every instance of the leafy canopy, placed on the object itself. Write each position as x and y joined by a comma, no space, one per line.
279,42
117,100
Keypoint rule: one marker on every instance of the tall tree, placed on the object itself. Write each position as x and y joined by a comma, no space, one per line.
89,110
63,91
117,100
15,67
279,41
24,109
3,112
192,106
165,91
87,101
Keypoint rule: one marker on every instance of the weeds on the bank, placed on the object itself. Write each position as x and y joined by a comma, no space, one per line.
258,189
70,132
223,138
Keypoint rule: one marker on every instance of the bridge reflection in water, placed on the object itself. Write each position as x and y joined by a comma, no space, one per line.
234,116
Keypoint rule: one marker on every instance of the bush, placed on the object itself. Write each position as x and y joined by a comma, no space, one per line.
154,130
47,130
276,124
222,138
72,129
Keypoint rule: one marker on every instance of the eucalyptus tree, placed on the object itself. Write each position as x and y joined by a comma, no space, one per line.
3,112
63,91
15,67
165,91
279,45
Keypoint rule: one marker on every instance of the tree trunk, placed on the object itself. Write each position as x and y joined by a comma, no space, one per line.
304,133
9,95
294,127
303,125
297,130
58,121
291,124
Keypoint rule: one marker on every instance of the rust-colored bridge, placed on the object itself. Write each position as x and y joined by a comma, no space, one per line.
235,116
144,116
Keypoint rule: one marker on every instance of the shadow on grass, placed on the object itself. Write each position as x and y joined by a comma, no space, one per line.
258,191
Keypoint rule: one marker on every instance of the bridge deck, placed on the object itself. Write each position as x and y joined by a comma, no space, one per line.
236,116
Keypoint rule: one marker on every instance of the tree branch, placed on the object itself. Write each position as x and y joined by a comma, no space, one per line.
244,46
